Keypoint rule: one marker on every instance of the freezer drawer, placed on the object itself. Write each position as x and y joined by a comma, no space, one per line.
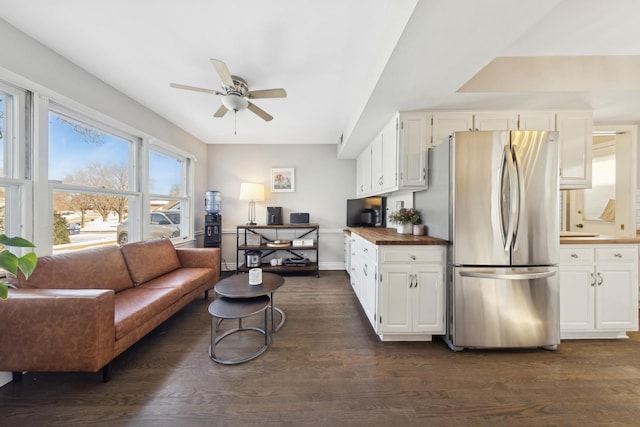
505,307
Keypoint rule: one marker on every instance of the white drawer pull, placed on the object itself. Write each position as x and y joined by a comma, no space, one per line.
617,255
574,255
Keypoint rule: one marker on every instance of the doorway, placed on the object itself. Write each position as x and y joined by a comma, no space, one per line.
608,207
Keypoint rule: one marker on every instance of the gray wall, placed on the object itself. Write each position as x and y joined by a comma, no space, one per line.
323,183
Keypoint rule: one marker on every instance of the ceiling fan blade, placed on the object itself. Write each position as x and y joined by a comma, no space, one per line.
221,111
197,89
260,112
267,93
223,71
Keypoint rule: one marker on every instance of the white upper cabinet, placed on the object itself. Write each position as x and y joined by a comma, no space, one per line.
396,159
389,179
412,150
575,149
363,173
537,121
443,125
384,159
495,121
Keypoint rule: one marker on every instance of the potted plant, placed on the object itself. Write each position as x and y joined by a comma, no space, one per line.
405,219
12,263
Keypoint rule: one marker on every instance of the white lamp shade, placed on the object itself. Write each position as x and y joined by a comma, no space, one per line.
234,102
252,191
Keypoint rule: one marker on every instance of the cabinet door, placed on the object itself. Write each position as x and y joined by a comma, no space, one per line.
495,121
368,289
376,163
443,125
363,167
413,150
577,297
537,121
428,299
616,296
575,149
395,300
390,156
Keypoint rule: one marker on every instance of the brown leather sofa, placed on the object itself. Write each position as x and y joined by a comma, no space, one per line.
80,310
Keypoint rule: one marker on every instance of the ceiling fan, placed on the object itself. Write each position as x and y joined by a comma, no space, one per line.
235,93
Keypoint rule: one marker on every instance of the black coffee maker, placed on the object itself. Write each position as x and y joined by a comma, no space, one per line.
274,215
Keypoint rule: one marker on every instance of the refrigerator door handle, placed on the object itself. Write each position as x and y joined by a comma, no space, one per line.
492,274
519,192
513,201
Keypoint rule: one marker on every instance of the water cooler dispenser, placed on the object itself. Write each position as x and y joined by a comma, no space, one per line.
212,220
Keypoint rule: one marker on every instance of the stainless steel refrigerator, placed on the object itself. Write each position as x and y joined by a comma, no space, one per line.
504,227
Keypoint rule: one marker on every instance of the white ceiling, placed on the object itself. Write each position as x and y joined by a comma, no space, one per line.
346,65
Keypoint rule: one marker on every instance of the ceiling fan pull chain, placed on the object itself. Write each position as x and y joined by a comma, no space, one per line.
235,122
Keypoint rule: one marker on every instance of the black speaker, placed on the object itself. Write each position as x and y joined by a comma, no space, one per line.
299,218
274,215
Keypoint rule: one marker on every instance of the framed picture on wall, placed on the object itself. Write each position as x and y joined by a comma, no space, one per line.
283,180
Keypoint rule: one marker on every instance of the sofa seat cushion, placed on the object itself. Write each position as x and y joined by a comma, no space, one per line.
150,259
97,268
136,306
185,279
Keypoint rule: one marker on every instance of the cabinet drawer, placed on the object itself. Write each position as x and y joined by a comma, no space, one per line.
369,250
576,255
412,254
621,254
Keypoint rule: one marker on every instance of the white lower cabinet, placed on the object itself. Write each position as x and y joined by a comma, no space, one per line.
598,291
400,288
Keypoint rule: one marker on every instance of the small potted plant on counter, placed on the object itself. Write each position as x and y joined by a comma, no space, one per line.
405,219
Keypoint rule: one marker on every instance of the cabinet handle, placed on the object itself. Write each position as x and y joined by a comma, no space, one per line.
411,281
366,250
364,269
593,279
574,255
424,173
617,255
600,279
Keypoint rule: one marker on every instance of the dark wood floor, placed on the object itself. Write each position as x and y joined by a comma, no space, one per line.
326,368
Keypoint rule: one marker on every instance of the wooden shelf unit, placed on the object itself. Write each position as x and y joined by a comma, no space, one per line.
270,233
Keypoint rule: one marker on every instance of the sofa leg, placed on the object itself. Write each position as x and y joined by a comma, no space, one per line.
106,373
16,377
206,294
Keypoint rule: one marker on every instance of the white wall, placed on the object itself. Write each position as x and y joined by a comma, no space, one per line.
323,183
29,64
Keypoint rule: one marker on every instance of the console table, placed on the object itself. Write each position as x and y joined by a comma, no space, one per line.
264,238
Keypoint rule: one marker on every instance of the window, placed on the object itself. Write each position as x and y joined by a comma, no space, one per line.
13,170
168,189
100,190
91,176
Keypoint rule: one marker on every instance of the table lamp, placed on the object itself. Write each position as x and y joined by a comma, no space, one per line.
253,193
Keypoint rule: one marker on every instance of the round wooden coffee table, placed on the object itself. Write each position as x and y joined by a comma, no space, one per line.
237,286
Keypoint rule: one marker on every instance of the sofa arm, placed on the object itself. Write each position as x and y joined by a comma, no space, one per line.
199,257
56,330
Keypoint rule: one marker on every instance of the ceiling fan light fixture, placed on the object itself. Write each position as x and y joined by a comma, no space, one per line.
235,102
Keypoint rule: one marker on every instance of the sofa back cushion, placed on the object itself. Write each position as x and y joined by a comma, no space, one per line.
97,268
150,259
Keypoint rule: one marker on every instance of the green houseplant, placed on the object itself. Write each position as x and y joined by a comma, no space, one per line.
405,216
405,219
12,263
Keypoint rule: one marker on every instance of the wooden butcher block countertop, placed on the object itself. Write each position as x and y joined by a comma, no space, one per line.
389,236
